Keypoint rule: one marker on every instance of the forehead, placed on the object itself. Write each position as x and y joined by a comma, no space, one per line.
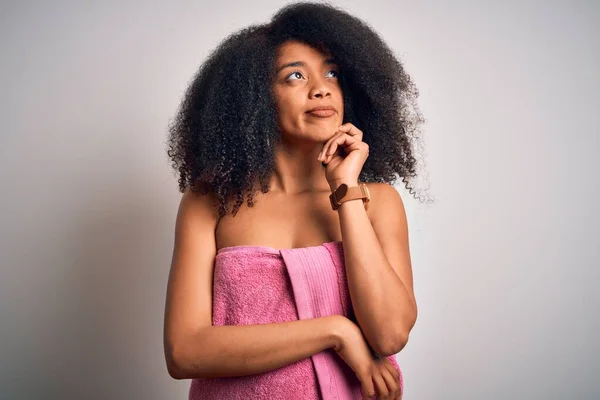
298,51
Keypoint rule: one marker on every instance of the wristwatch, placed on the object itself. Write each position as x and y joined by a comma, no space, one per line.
345,193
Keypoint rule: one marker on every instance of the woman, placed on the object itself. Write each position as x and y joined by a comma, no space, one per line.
311,109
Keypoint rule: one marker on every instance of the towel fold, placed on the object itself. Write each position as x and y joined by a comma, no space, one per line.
261,285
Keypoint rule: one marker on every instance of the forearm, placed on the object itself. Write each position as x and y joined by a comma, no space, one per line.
383,307
238,350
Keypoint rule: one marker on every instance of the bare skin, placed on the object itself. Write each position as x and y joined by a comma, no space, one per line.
296,212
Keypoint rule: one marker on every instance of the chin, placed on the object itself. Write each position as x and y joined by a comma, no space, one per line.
326,133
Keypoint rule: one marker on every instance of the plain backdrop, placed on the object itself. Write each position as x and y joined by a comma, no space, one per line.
505,261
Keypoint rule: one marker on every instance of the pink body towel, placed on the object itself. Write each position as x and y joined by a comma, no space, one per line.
261,285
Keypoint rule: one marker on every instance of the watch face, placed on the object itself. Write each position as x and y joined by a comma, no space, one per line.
341,191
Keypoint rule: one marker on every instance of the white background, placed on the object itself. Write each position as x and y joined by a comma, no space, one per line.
505,262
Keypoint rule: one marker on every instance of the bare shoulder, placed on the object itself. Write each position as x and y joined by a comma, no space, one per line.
196,202
197,218
384,199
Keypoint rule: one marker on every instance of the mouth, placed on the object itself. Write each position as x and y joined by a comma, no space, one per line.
321,113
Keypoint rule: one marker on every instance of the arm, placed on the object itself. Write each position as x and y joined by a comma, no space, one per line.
227,351
193,346
378,267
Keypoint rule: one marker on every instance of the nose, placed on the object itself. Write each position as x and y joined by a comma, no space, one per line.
320,89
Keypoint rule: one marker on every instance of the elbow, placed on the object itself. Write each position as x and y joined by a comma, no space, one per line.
174,370
393,345
175,362
398,338
185,357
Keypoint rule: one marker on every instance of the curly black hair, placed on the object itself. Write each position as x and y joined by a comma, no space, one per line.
224,136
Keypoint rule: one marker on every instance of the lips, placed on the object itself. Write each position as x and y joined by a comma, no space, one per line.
322,111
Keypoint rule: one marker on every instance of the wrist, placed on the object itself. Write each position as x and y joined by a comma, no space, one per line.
338,328
342,191
336,183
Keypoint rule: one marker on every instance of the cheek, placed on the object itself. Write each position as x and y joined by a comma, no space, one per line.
282,102
288,111
289,120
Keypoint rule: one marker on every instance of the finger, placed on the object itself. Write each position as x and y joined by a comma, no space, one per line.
397,378
390,381
392,369
396,375
343,141
368,389
351,130
333,146
380,385
323,154
348,143
330,150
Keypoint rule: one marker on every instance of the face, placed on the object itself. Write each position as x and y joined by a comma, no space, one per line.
305,79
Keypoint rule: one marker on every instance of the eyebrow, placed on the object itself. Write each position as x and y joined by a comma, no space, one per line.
328,61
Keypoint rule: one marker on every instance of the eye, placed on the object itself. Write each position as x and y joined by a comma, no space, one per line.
293,73
300,73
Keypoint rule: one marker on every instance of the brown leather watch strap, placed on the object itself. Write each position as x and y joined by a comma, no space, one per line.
345,193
